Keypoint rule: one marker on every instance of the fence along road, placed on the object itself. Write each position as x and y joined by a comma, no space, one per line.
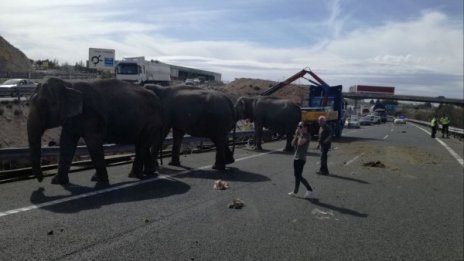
411,209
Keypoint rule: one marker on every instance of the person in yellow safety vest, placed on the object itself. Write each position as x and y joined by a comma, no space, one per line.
434,125
444,121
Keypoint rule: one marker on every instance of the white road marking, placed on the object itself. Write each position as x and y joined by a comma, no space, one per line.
101,191
386,136
354,159
450,150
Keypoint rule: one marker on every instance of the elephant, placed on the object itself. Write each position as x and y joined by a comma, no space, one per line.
103,111
199,113
280,116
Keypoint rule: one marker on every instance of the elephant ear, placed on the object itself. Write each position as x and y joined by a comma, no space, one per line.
73,105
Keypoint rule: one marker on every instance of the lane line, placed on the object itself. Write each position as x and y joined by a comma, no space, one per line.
127,185
450,150
354,159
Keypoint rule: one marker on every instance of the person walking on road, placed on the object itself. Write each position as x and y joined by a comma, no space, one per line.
434,125
325,142
444,121
301,143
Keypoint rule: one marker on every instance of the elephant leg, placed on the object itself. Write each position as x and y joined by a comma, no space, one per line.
68,144
177,136
221,153
154,153
258,135
229,156
288,144
156,147
137,165
97,154
150,164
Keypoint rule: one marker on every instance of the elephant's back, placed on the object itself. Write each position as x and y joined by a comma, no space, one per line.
127,109
198,111
279,115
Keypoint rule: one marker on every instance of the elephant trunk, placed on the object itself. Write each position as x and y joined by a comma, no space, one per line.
35,130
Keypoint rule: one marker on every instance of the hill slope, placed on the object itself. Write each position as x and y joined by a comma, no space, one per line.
250,87
12,59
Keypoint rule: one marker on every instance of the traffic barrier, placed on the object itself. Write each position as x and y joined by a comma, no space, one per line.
119,153
23,153
17,91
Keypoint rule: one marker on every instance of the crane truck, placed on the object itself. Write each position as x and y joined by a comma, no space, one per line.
324,100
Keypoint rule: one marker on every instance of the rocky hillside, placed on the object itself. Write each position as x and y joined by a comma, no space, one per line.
12,59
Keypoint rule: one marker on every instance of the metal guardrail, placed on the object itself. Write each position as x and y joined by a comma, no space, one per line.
23,153
121,154
41,75
16,91
455,132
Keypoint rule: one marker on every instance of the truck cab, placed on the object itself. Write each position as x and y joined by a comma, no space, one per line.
129,71
138,70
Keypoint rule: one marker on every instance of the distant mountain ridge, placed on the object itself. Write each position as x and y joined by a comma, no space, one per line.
12,59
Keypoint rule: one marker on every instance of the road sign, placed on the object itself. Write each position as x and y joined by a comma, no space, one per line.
101,58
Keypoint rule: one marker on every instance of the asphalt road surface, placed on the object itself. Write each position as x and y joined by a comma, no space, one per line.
410,209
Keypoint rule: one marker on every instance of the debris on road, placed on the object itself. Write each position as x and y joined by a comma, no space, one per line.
221,185
376,164
236,204
319,214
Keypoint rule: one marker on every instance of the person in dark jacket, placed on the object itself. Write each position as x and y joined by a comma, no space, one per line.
325,142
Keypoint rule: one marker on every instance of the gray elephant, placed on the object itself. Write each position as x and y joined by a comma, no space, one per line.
199,113
103,111
278,115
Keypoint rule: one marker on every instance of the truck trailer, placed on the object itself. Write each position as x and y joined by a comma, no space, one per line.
372,89
138,70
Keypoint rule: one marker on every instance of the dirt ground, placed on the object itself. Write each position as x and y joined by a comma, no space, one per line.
13,114
13,122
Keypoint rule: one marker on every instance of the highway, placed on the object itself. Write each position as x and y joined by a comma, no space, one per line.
411,209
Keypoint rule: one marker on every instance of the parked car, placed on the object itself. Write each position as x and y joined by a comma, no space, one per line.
352,122
374,119
194,81
399,120
365,120
189,82
13,87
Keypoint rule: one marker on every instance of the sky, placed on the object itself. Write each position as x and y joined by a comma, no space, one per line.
413,45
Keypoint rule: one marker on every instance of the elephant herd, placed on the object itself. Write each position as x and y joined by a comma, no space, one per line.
113,111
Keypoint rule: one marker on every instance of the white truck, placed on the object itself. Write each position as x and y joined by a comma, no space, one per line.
140,71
